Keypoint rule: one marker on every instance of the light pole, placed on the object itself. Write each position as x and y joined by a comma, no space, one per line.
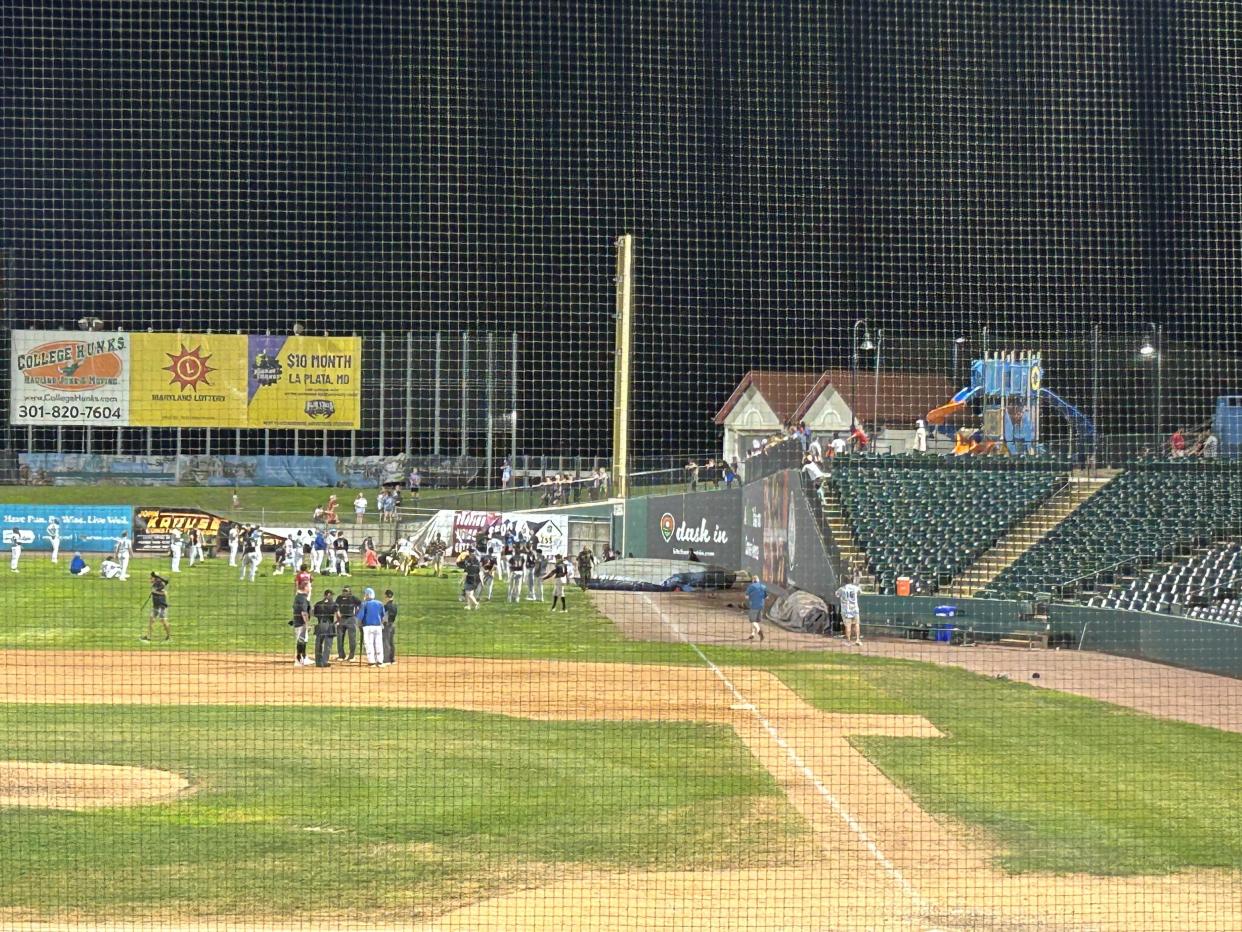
866,345
1153,348
875,389
957,346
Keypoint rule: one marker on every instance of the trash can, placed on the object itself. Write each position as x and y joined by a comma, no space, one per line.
944,633
903,585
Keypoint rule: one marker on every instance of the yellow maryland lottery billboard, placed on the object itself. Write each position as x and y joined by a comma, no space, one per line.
304,382
187,380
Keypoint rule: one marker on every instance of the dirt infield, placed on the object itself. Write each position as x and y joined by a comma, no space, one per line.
886,863
85,786
1157,689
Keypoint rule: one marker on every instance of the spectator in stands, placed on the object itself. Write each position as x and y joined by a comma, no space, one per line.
920,437
1177,443
737,470
1210,448
816,449
838,445
416,482
692,475
390,507
811,471
329,511
506,474
360,508
803,434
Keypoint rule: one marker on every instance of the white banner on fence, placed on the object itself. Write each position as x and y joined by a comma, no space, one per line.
69,377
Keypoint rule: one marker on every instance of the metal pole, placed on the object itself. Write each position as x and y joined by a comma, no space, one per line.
513,391
353,434
875,391
409,391
487,407
1159,385
465,384
60,439
435,404
622,365
854,373
985,342
267,431
237,431
382,368
1095,382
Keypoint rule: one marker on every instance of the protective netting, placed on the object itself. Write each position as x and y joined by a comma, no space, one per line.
638,465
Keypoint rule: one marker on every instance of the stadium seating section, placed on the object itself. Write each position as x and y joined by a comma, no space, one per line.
1153,513
928,517
1205,587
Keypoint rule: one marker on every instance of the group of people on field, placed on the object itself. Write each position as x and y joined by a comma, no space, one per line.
338,619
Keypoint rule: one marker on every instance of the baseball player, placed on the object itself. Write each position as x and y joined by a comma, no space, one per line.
319,550
473,570
340,554
301,625
371,615
488,566
15,549
159,607
53,537
124,550
175,547
517,563
559,574
251,557
195,539
234,543
436,550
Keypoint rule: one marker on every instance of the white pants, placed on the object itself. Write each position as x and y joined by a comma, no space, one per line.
317,560
55,549
196,553
17,555
233,553
250,565
176,560
124,561
373,642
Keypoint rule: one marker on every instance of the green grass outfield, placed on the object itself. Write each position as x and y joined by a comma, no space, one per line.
1060,783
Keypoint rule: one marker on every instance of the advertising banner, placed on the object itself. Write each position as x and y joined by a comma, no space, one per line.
304,381
765,528
68,377
188,380
709,523
92,528
153,527
467,525
91,468
185,380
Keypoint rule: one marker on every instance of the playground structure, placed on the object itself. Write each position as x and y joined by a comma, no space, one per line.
1008,387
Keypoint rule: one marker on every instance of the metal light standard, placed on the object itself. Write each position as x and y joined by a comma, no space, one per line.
1153,348
866,345
875,390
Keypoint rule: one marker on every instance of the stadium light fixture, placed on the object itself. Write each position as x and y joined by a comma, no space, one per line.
90,323
299,328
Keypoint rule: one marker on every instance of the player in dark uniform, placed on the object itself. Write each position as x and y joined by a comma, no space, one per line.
347,625
340,549
325,628
159,607
300,622
390,627
559,574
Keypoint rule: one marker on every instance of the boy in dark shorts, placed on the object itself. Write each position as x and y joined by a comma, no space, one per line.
159,607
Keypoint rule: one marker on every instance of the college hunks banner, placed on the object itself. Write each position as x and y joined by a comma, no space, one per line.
68,377
185,380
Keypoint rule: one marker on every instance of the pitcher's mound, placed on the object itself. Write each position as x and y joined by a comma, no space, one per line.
85,786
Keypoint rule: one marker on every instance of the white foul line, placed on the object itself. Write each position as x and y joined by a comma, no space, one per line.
890,868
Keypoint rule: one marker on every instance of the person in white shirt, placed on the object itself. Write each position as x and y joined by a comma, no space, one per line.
496,548
811,470
360,508
176,547
124,550
816,449
847,596
1211,447
234,543
920,437
838,446
252,555
53,536
15,549
110,569
196,545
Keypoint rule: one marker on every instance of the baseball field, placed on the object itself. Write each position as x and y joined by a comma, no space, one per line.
521,769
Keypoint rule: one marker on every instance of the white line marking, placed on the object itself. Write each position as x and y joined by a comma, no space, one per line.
846,816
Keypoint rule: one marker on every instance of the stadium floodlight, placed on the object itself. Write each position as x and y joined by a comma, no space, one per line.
1147,351
90,323
1153,349
299,328
866,345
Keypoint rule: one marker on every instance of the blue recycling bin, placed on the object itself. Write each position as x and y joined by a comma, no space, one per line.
944,633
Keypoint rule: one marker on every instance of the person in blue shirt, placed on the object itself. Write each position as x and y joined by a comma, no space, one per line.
319,550
371,615
756,597
77,566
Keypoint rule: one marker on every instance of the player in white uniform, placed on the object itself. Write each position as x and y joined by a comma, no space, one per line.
196,545
15,549
175,548
496,548
234,543
53,536
847,595
124,550
250,560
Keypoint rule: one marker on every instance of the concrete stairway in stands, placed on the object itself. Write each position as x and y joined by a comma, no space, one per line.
1028,532
837,522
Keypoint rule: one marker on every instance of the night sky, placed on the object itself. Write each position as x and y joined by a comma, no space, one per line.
932,165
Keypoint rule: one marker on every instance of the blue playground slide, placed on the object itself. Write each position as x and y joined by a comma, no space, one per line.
1082,424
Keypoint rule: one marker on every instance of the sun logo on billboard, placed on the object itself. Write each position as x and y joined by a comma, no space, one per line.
189,367
668,524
